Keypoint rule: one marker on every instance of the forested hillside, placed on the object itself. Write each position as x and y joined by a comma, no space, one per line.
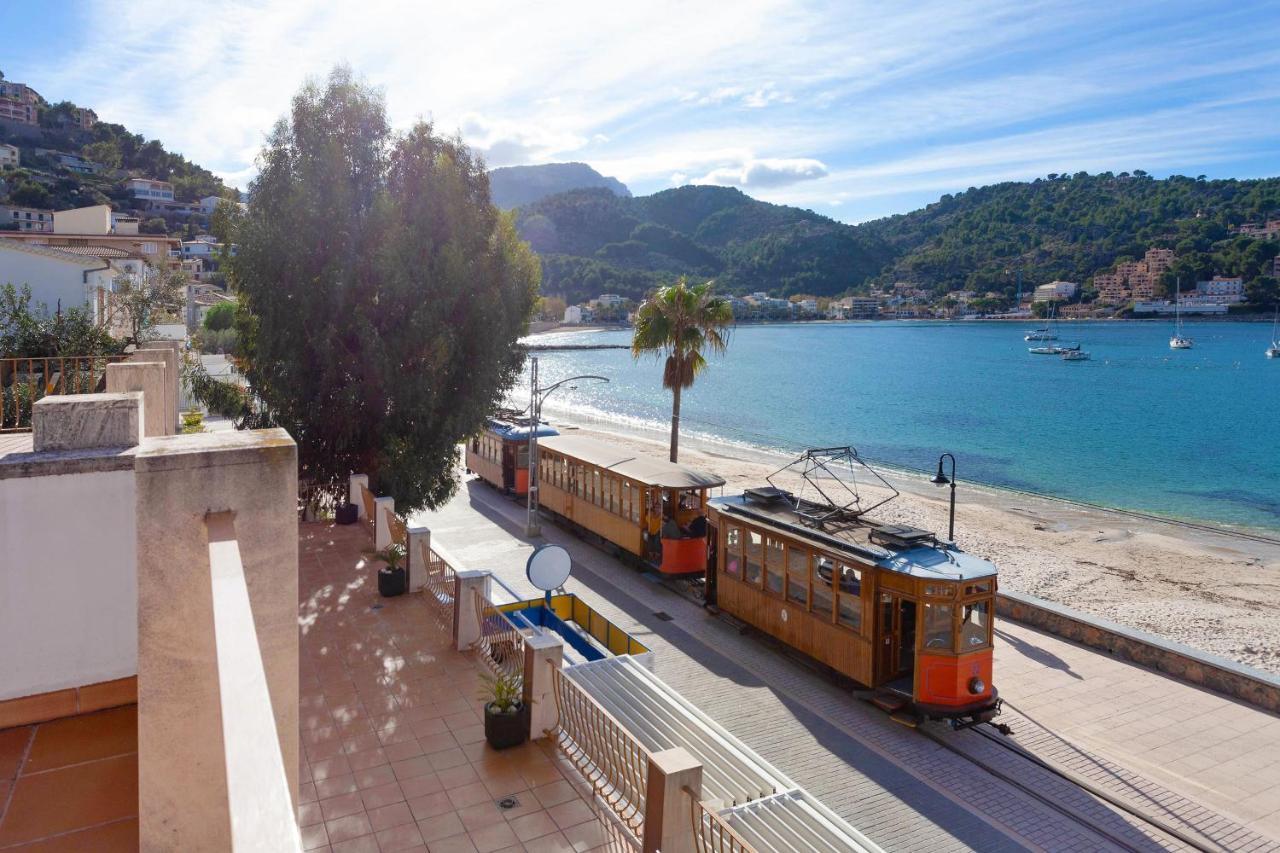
513,186
1060,227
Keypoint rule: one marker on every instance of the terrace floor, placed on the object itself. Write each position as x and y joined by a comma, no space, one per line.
392,729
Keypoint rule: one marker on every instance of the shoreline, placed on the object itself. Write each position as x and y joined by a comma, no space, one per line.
1210,587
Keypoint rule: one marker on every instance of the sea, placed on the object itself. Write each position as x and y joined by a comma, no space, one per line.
1187,434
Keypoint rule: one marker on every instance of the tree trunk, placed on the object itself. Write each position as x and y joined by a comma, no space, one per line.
675,422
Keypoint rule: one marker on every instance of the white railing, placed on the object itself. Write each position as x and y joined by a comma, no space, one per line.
258,797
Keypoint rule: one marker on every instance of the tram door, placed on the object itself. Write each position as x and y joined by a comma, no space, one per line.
508,465
713,564
897,618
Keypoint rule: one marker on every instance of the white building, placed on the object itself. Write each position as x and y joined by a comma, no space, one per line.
572,315
1221,289
608,300
61,279
10,158
1185,306
1056,290
149,190
210,203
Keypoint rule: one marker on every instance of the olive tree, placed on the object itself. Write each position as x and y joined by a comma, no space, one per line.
381,293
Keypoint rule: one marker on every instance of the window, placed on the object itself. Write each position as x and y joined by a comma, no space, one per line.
940,590
148,248
733,551
637,500
595,487
974,626
976,588
615,496
753,557
798,576
775,565
823,599
849,613
937,627
624,509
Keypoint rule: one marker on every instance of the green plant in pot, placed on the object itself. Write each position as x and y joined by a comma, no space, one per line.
506,716
392,577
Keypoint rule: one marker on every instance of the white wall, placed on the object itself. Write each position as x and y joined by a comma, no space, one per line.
50,279
68,584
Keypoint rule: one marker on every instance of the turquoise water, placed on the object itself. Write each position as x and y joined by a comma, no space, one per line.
1193,434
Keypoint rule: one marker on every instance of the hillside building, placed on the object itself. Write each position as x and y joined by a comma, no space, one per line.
1056,291
61,279
97,231
19,102
10,156
26,219
1220,289
149,190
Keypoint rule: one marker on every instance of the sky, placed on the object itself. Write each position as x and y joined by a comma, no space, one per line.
856,110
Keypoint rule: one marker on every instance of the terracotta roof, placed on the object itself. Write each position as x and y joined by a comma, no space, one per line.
47,251
94,251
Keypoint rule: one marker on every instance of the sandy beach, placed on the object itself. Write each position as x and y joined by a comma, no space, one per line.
1214,591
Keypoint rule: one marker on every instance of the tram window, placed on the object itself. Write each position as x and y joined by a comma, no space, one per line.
753,557
733,551
849,609
615,496
775,565
823,599
582,481
976,588
637,500
624,509
939,590
973,628
798,575
937,627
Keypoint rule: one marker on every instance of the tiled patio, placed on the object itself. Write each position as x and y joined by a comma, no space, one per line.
392,731
71,784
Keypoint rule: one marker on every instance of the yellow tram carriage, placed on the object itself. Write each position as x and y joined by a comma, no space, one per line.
652,509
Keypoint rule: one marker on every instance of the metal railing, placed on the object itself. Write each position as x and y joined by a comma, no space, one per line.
711,832
440,581
399,531
501,645
603,751
25,380
370,507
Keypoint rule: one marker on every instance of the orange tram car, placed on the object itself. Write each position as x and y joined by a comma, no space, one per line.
500,453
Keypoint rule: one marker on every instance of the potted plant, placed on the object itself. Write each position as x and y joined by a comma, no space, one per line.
346,513
506,716
392,578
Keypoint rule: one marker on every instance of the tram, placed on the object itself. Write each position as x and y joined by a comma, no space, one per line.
888,606
652,509
499,454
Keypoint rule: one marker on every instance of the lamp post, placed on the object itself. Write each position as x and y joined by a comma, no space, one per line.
536,398
941,479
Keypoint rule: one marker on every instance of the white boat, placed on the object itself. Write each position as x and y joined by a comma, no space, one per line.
1049,350
1075,355
1040,335
1179,341
1273,351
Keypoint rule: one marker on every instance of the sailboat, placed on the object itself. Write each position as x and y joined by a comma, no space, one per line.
1273,351
1179,341
1048,333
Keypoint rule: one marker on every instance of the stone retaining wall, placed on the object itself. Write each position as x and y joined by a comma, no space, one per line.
1174,659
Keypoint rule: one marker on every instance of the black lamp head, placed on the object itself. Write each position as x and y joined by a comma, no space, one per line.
939,479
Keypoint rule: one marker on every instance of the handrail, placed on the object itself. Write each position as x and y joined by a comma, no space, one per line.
258,797
501,644
399,531
607,755
711,832
440,576
25,380
370,505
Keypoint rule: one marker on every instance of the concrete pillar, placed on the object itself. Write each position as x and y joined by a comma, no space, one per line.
542,653
84,421
416,560
149,378
182,788
466,625
354,485
166,355
667,823
381,529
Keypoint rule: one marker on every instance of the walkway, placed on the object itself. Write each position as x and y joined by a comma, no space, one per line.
903,790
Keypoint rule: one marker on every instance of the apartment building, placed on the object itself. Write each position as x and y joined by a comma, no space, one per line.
1224,290
85,118
19,102
1142,285
1056,291
10,157
1111,288
1159,261
149,190
26,219
89,230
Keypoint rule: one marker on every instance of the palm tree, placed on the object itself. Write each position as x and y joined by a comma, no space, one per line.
679,322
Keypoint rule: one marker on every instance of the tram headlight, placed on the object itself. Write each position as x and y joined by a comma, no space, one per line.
977,686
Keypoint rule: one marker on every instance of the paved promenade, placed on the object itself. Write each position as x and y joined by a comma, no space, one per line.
905,791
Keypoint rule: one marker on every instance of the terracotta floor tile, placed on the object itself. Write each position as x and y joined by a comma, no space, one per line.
307,792
469,735
71,798
84,738
348,827
314,836
467,795
13,747
449,758
587,836
412,767
375,776
555,793
330,767
453,844
543,774
493,837
418,786
118,837
440,742
526,804
553,843
533,825
335,786
341,806
401,751
389,816
363,844
369,758
571,813
463,774
403,837
440,826
382,795
430,805
309,814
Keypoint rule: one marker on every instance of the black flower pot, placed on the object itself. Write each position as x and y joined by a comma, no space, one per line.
506,729
347,514
391,582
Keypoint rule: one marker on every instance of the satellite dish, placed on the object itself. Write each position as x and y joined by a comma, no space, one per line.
548,567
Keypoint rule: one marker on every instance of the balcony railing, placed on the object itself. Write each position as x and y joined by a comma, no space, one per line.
711,833
25,380
501,645
440,582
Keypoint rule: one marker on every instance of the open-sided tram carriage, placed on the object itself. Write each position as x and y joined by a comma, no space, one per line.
500,453
653,509
888,606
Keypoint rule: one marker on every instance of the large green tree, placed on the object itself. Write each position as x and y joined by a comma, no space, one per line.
680,322
382,293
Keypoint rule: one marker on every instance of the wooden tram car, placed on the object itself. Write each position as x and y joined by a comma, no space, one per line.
887,606
629,500
500,453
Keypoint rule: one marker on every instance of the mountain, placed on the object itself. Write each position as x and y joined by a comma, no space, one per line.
513,186
592,241
1061,227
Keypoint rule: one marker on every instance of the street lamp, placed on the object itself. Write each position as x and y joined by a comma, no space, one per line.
941,479
536,398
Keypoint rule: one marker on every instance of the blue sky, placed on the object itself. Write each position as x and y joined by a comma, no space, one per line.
856,110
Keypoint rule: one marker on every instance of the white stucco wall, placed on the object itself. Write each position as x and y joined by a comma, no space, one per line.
68,584
50,279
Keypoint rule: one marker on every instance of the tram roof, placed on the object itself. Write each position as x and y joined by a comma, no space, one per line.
629,464
856,537
512,431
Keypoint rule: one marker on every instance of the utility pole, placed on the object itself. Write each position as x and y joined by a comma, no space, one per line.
531,525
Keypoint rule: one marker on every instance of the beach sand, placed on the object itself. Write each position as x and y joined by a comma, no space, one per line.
1213,591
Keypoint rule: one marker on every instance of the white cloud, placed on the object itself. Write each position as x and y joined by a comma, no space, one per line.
506,143
766,173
